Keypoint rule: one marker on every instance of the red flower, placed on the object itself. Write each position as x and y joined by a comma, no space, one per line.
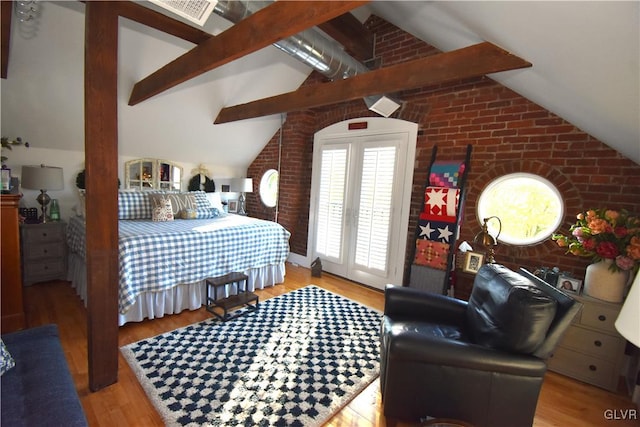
620,232
607,250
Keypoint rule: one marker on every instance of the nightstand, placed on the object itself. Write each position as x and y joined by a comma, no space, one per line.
592,350
44,252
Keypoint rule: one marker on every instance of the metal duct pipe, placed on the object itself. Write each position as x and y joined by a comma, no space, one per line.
312,48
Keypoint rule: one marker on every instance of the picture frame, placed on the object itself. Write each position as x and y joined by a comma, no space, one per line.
472,262
569,284
233,206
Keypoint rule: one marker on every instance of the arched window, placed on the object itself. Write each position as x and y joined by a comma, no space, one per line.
530,208
269,188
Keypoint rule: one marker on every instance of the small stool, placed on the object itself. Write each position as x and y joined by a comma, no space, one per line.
243,297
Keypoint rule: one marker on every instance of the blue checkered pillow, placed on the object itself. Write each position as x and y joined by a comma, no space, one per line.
134,204
204,210
7,361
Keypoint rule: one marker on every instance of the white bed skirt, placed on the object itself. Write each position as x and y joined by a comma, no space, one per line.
190,296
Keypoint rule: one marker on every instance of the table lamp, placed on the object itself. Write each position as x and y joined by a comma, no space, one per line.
486,240
242,185
42,178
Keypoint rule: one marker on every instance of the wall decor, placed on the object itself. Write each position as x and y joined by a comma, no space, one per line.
233,205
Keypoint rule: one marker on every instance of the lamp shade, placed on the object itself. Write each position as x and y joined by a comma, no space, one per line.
628,321
242,185
42,178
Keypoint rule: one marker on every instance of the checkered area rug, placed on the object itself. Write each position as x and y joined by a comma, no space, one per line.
296,361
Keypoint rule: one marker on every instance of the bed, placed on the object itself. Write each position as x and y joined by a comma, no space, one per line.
163,264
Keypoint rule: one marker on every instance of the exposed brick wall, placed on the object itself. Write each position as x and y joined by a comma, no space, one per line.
508,133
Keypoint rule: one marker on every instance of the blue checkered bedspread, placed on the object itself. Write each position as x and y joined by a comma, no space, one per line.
155,256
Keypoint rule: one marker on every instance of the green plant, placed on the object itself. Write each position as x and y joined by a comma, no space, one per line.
8,144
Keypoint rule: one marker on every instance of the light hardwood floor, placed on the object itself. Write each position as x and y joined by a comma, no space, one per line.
563,401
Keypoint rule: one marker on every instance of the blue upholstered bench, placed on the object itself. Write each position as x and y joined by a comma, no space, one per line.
39,389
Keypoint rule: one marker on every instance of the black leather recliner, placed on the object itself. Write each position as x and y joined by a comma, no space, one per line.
482,361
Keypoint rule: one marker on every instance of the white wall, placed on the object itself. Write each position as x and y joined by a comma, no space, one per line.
43,96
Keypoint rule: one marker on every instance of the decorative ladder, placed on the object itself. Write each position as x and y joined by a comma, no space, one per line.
438,227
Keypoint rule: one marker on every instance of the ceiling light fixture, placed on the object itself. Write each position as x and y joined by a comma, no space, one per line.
382,104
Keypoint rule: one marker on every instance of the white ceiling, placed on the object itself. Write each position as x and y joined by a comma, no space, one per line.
585,54
585,59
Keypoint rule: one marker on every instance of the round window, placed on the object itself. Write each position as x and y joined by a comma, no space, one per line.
269,188
530,208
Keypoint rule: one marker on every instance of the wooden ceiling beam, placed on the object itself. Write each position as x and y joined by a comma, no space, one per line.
350,33
5,22
263,28
473,61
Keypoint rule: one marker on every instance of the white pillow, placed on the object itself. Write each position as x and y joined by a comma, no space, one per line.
214,200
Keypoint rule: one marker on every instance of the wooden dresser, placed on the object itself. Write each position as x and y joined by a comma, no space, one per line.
13,316
592,350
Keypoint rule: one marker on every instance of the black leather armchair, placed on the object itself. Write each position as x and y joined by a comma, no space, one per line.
481,361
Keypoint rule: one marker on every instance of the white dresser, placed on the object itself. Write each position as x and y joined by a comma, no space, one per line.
592,350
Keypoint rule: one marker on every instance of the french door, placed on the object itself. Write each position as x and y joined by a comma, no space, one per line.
360,196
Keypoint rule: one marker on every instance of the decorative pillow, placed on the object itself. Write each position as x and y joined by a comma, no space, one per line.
440,204
135,204
204,210
446,174
161,209
188,214
6,361
179,202
431,254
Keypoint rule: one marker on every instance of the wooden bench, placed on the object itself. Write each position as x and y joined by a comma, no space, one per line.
242,298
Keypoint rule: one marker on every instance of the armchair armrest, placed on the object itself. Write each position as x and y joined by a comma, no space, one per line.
421,305
411,346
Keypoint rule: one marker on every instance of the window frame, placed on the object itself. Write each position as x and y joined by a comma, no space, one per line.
510,240
269,200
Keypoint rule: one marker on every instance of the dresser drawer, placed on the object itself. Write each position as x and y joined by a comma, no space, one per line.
46,250
584,367
39,234
599,316
594,343
44,270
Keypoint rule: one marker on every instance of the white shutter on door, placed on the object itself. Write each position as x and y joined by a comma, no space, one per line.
331,203
375,209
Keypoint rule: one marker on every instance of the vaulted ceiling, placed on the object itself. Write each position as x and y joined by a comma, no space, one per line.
585,58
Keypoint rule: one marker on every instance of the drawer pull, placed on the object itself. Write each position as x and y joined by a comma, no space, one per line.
602,318
597,343
593,368
44,234
45,251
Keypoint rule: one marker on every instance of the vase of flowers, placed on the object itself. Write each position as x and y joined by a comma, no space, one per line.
611,239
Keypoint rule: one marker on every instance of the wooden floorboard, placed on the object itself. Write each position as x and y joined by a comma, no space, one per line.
563,401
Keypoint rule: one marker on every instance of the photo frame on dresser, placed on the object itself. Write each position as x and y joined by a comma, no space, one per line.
233,206
569,284
472,262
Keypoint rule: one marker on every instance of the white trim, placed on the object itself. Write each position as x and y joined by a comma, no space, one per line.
373,127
